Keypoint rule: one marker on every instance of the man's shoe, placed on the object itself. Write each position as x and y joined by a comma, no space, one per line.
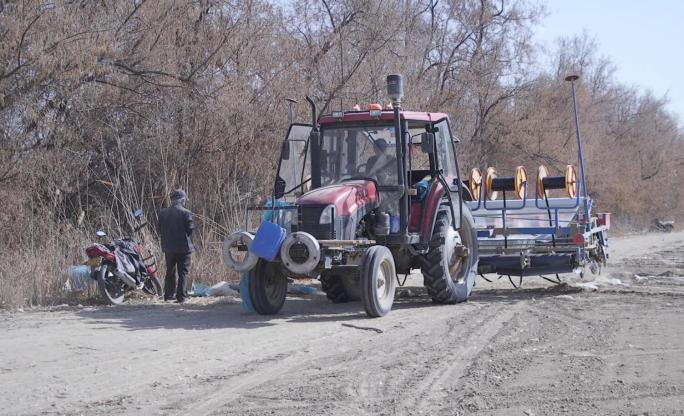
182,300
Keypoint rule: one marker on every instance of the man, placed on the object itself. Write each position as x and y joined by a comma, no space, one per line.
381,165
176,226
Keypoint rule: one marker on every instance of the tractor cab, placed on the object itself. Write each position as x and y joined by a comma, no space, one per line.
360,166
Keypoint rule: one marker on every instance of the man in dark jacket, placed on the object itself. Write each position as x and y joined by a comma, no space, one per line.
176,226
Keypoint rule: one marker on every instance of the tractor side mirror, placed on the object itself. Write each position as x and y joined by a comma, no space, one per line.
279,189
285,150
427,142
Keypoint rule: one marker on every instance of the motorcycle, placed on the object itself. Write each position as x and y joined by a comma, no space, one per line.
120,267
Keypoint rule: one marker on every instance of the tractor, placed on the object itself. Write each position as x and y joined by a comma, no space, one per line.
359,198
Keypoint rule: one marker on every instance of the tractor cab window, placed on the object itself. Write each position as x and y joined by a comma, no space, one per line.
421,162
294,171
359,152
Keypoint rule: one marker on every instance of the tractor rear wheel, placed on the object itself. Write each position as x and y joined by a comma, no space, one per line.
267,287
378,281
334,288
450,265
341,285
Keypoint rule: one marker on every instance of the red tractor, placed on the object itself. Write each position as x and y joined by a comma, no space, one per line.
359,198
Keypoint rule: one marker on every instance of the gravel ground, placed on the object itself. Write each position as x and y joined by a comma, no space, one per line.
614,345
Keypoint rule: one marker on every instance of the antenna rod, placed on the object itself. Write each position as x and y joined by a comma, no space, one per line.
341,70
572,79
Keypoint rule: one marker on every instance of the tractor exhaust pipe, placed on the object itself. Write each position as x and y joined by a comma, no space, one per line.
395,91
315,143
314,113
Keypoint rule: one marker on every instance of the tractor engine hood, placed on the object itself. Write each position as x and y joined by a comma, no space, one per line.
347,197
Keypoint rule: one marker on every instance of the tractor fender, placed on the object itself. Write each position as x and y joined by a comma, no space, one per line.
430,208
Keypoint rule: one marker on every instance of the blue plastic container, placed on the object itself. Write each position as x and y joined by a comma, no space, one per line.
244,294
394,224
267,240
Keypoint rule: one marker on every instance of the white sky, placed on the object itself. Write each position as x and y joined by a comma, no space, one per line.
644,39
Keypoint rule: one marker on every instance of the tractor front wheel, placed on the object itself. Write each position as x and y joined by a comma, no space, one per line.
267,287
378,281
450,265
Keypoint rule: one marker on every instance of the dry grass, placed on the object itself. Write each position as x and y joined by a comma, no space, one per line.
97,121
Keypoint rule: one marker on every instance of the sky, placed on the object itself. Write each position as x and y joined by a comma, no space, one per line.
644,39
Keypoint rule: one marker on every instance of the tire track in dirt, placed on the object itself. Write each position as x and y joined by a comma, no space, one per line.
459,359
559,367
374,372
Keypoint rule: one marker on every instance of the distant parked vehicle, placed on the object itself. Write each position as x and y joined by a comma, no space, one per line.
120,267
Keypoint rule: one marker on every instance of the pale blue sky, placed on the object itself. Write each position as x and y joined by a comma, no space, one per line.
644,39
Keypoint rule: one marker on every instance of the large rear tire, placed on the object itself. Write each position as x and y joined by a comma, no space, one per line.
333,287
378,281
267,287
112,289
448,272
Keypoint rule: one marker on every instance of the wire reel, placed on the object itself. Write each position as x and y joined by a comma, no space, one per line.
517,183
567,182
489,179
475,184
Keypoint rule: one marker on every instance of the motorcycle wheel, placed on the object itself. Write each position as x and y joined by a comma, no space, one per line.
111,287
153,287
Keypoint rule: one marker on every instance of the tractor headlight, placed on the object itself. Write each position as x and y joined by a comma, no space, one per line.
327,215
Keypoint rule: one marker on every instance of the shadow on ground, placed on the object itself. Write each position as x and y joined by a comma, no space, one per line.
305,309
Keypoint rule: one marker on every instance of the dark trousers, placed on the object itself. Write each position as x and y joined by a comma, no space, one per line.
180,261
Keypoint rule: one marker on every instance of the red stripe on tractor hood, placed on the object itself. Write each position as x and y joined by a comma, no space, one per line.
347,196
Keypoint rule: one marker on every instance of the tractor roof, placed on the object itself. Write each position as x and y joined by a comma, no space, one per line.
353,116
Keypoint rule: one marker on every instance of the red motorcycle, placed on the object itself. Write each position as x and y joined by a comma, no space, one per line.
120,267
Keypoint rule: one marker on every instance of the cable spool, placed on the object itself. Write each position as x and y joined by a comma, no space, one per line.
567,182
475,184
489,179
517,183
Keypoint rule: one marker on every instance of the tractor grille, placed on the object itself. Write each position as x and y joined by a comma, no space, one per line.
309,216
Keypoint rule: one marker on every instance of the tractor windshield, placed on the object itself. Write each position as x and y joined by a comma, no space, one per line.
358,152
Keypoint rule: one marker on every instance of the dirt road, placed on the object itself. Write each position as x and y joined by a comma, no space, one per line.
543,349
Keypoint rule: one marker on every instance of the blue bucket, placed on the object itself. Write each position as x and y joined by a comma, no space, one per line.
268,240
394,224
